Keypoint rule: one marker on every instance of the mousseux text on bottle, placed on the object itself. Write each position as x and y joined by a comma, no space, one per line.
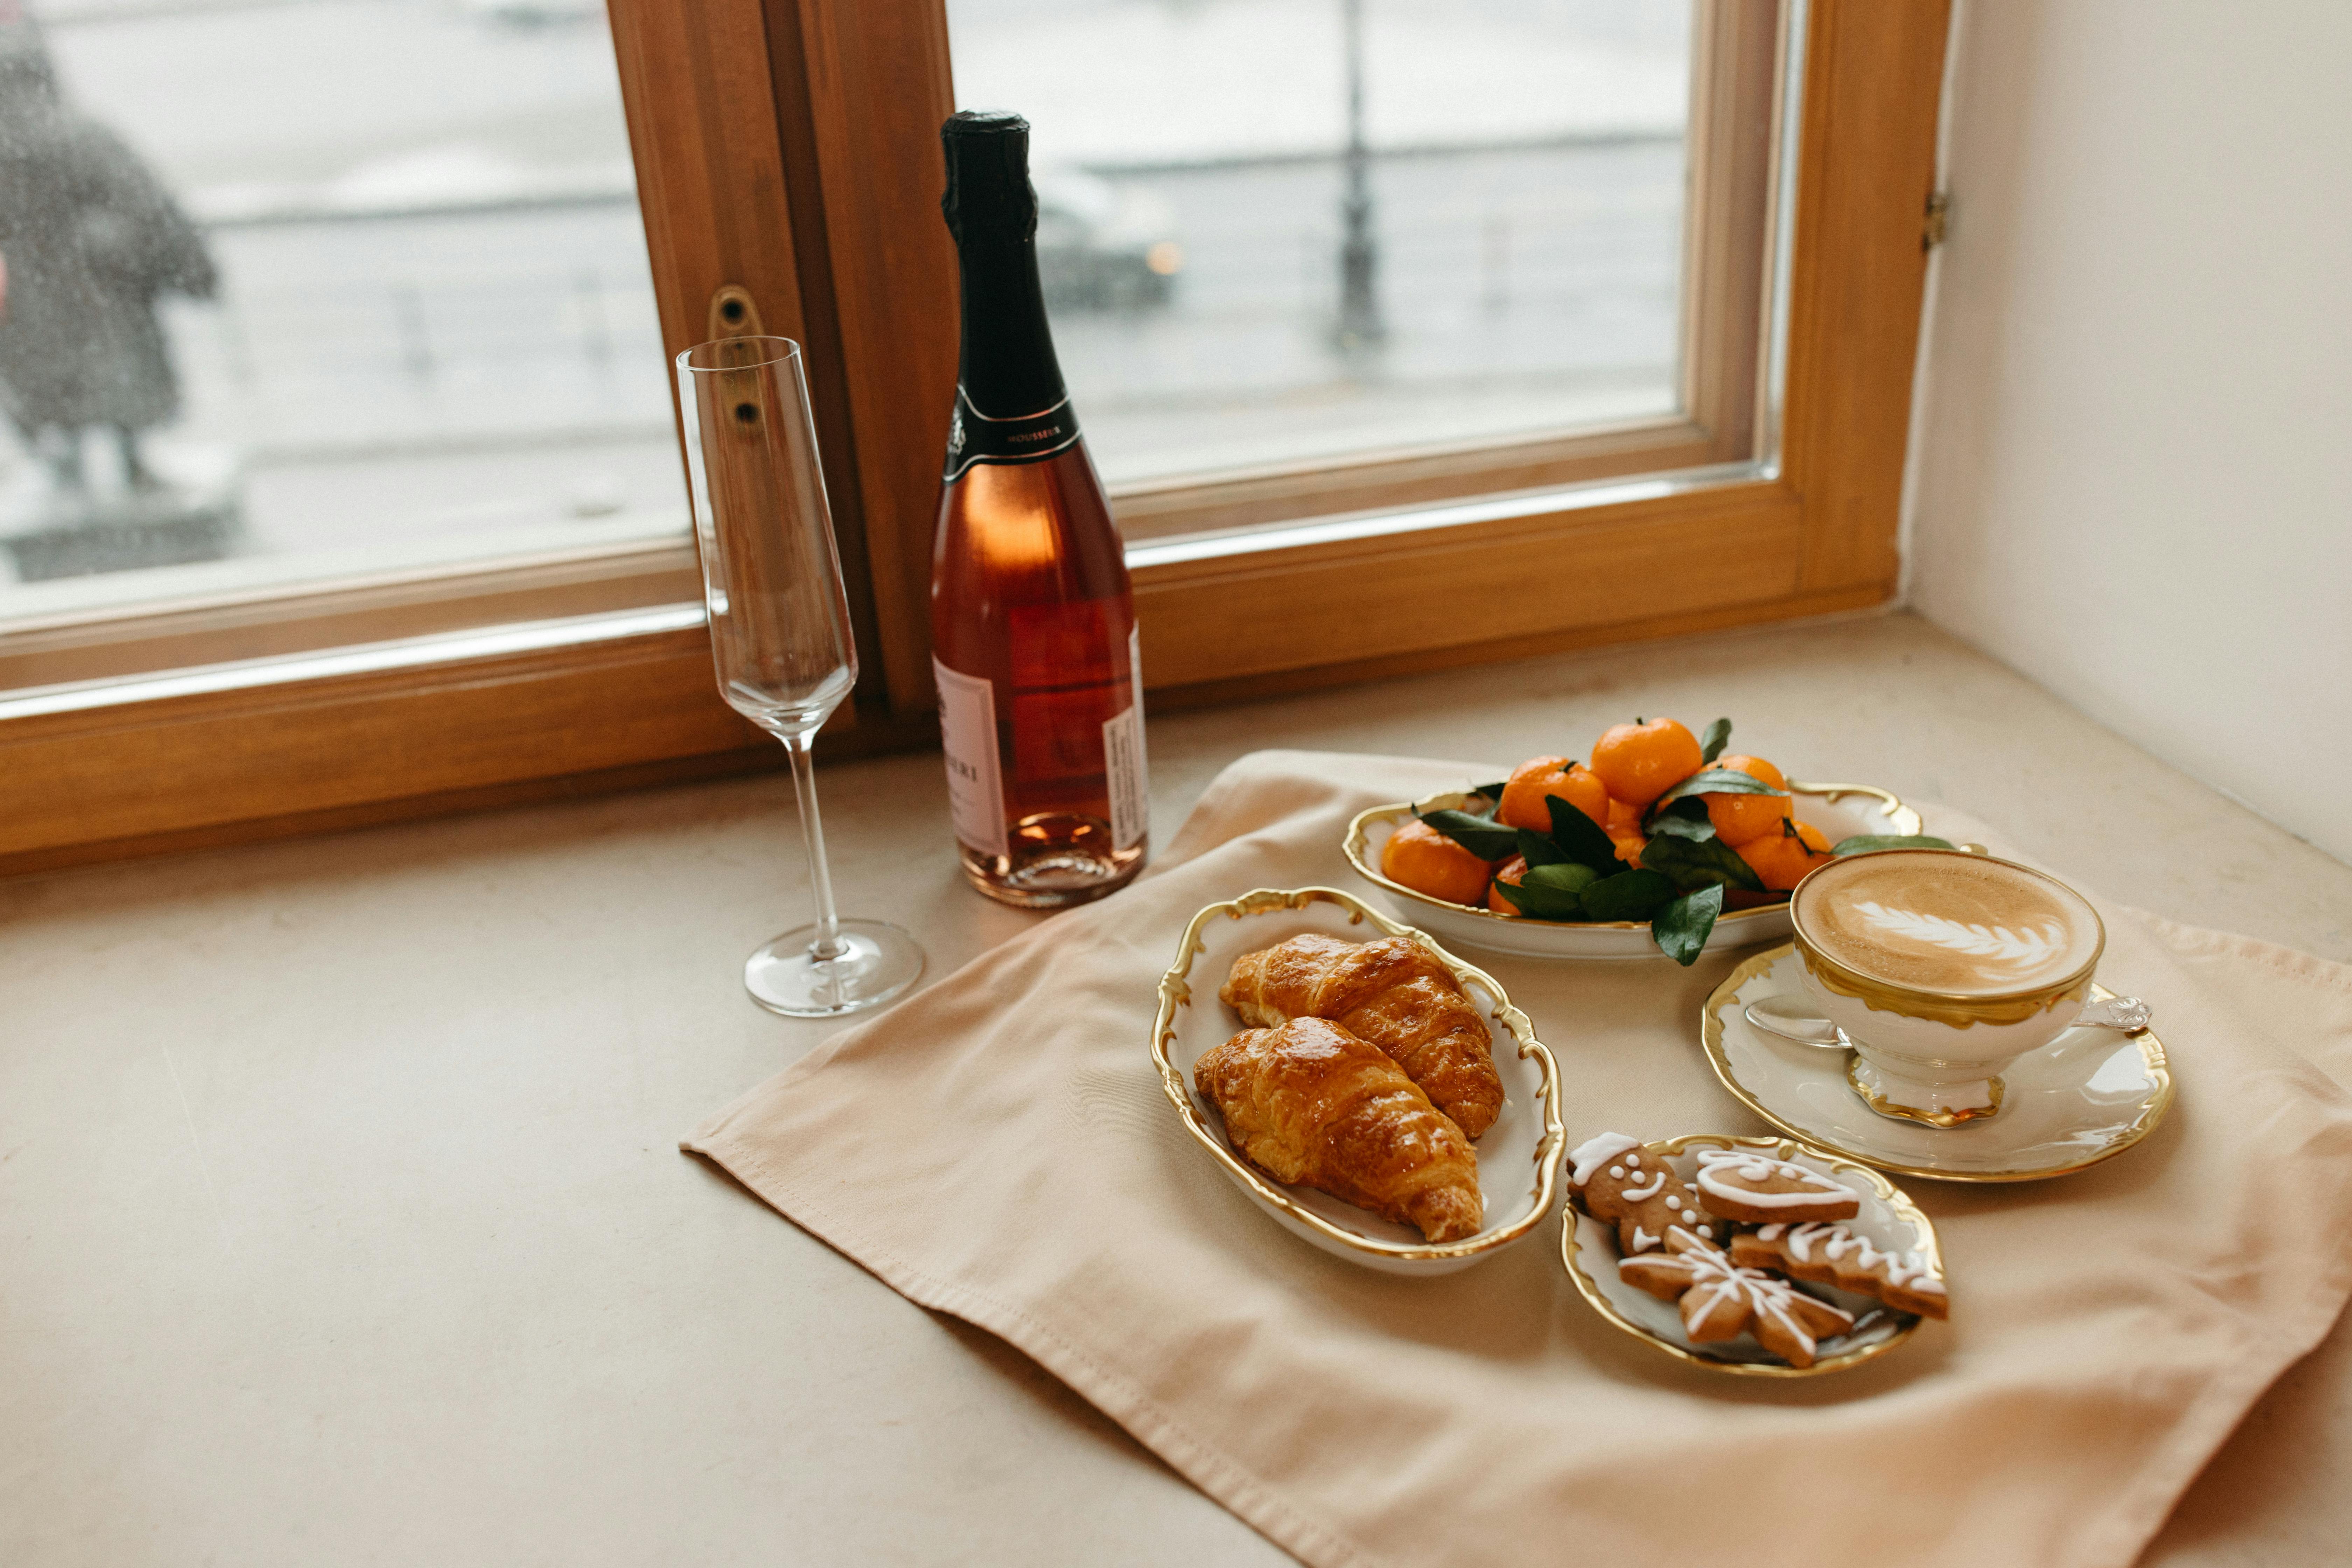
1032,622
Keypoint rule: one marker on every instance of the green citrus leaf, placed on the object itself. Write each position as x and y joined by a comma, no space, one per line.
1714,781
1539,850
1487,840
1567,878
1686,818
1681,927
1540,901
1718,736
1580,839
1692,864
1863,844
1630,895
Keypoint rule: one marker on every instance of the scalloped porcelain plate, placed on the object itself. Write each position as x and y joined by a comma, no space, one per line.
1839,810
1889,1221
1518,1159
2086,1097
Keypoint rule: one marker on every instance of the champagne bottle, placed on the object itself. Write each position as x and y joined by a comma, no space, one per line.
1033,621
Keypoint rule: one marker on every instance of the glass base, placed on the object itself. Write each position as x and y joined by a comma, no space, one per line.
879,960
1056,860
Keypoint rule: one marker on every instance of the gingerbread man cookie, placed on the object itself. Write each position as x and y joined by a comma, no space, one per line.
1623,1183
1757,1186
1721,1300
1832,1255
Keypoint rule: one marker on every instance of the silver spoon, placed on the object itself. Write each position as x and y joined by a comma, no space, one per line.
1787,1017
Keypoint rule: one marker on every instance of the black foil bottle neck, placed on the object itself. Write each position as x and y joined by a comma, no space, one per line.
1006,366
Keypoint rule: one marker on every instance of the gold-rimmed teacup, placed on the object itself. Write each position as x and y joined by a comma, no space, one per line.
1942,967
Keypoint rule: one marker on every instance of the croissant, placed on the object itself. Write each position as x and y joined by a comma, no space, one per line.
1391,993
1311,1103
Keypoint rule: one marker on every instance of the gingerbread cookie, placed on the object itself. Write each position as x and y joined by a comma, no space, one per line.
1759,1186
1720,1301
1832,1255
1625,1185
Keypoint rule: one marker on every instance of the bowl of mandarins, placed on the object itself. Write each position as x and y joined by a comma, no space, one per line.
1665,843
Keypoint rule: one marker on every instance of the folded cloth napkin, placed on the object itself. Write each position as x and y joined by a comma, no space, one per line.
998,1148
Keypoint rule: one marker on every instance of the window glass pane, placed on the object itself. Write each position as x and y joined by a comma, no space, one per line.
314,288
1517,211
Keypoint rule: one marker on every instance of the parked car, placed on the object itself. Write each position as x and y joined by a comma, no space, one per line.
1103,245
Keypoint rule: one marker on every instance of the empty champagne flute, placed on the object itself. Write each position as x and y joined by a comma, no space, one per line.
780,636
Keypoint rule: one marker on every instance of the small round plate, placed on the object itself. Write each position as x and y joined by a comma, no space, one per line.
1519,1157
1842,811
2086,1097
1888,1221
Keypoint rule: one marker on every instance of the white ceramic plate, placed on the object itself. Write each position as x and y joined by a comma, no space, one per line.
1888,1221
1840,811
2086,1096
1518,1159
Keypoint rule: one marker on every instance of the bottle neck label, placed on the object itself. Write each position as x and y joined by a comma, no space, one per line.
977,438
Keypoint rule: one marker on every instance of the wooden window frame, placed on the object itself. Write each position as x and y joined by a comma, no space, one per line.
788,148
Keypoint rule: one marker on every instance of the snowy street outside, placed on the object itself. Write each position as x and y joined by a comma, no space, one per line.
435,337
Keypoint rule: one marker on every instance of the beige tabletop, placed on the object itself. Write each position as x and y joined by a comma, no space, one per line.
341,1219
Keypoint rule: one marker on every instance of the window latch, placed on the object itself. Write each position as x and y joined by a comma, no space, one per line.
734,313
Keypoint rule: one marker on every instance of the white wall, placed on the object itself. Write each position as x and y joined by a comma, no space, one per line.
2134,475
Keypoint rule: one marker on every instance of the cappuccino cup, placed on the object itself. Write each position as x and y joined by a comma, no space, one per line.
1942,967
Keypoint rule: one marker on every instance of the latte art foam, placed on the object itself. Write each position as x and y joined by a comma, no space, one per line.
1953,923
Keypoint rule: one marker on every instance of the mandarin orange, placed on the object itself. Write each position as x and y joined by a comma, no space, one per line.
1523,798
1509,871
1782,860
1638,763
1740,817
1425,860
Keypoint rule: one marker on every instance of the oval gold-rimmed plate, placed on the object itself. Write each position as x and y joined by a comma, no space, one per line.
1889,1221
1842,811
2086,1097
1519,1157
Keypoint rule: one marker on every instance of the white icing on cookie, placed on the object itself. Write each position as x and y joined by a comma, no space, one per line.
1593,1153
1904,1271
1643,1194
1720,1171
1717,1281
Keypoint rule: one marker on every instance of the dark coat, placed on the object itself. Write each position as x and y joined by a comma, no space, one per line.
90,237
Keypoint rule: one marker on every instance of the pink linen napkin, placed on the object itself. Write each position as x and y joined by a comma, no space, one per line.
998,1148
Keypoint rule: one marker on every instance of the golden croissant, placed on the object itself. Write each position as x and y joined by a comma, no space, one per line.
1311,1103
1392,992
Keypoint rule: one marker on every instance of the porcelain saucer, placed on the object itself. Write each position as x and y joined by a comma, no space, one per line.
2086,1097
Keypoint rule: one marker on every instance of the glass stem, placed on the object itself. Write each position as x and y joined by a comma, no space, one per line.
827,945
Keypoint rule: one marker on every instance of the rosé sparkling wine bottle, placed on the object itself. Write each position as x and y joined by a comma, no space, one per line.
1032,623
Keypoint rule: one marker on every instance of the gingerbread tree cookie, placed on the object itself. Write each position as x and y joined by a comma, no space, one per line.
1720,1301
1832,1255
1757,1186
1623,1183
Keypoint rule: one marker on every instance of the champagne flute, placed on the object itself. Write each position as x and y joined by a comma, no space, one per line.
780,636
